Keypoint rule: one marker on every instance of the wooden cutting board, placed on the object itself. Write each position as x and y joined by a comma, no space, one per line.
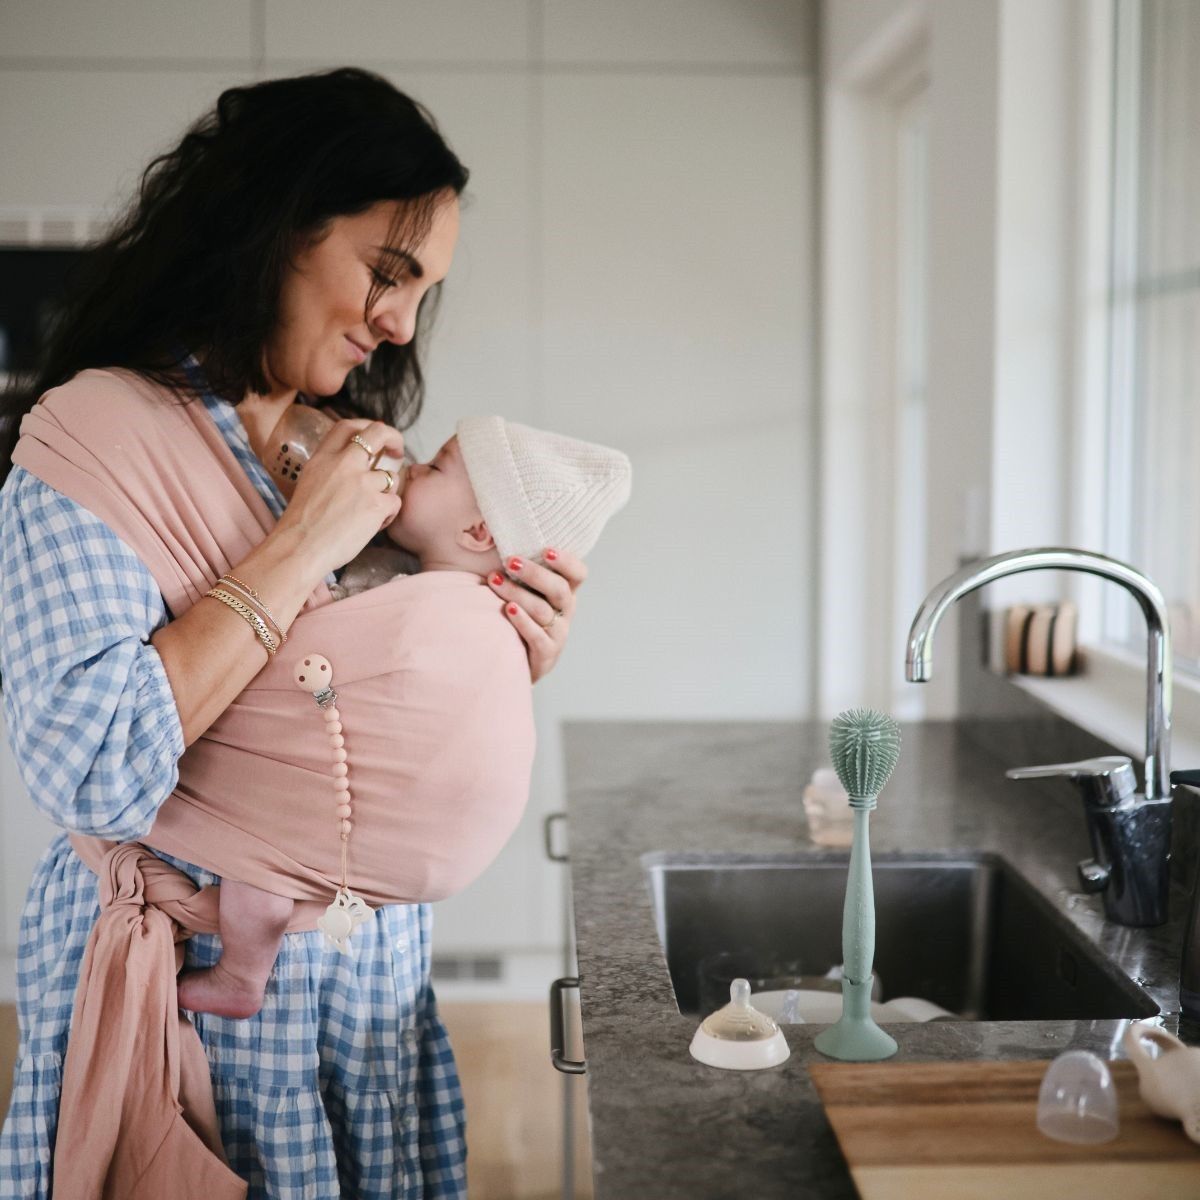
967,1131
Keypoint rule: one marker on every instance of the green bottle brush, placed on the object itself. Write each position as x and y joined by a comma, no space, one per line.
865,745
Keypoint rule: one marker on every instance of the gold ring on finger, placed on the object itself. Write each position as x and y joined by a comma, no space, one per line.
359,442
391,479
550,624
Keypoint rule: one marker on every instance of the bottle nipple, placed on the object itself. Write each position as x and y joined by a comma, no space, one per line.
738,1037
739,1021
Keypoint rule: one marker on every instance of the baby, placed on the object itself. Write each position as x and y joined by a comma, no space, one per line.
496,490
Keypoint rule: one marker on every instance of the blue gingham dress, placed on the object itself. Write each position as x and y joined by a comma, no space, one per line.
344,1084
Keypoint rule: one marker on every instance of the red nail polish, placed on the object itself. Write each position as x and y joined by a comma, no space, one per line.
511,610
515,564
497,579
551,555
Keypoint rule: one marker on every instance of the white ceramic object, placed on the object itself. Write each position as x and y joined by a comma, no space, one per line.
738,1037
807,1006
912,1008
1169,1080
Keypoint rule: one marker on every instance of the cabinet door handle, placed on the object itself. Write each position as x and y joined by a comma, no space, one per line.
558,1027
548,836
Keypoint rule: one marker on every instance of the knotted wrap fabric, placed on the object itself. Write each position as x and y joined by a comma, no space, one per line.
137,1120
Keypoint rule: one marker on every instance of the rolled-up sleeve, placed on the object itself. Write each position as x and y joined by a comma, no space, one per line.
91,717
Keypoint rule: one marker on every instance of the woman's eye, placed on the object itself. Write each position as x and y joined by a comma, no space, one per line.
381,278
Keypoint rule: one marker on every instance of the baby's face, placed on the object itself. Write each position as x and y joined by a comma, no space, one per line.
439,517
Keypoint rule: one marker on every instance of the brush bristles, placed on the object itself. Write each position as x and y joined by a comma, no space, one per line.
865,746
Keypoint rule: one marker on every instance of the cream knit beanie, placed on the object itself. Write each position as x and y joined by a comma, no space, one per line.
537,489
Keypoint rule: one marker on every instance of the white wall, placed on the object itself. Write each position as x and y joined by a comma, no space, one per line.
636,267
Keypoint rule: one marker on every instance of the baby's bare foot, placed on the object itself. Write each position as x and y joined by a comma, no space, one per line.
217,990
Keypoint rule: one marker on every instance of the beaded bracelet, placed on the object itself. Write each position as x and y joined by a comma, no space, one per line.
250,594
314,674
244,610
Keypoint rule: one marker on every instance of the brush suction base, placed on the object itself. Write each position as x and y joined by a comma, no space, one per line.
856,1037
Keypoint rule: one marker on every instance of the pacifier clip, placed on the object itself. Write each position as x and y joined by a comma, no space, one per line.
314,674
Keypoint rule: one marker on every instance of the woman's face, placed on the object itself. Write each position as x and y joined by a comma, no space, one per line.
322,334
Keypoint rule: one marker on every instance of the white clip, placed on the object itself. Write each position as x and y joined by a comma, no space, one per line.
342,917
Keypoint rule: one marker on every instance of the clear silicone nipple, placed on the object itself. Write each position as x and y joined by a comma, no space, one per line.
739,1021
738,1037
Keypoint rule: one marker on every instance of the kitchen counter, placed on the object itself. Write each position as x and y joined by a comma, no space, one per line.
665,1126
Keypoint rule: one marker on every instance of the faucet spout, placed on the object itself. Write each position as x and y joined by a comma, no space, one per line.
918,663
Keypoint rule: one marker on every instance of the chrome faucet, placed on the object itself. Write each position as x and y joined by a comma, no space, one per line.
1130,832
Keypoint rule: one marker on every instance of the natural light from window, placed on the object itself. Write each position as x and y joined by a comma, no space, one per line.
1153,513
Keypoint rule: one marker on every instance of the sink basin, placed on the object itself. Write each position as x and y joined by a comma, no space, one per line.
968,934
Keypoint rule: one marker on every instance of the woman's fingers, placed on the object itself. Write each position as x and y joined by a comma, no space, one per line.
540,601
538,607
560,564
557,581
379,436
570,566
339,500
542,645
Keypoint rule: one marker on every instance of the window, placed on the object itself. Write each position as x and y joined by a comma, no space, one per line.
1153,513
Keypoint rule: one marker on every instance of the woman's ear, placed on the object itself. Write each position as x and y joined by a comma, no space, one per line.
477,538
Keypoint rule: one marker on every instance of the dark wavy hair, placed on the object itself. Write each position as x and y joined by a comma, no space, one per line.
198,259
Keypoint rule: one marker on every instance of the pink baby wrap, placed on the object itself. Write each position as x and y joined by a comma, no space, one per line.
433,689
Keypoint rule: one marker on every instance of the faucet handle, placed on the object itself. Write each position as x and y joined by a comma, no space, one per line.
1105,781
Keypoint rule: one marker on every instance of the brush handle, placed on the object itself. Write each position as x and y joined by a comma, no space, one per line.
858,915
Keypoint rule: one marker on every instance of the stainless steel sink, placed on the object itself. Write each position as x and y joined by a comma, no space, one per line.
968,934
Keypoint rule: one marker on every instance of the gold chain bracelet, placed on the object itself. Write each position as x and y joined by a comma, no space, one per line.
253,595
245,611
244,586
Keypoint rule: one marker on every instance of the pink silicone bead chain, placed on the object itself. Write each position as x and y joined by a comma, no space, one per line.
314,674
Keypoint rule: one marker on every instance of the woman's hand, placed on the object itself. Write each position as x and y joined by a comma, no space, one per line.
339,503
540,602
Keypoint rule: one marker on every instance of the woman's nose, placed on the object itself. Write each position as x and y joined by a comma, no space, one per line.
396,320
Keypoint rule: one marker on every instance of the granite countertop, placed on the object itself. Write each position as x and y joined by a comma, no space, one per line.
664,1125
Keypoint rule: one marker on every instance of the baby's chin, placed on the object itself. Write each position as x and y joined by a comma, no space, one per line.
426,551
396,534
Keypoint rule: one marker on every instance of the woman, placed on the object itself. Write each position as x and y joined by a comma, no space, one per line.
291,245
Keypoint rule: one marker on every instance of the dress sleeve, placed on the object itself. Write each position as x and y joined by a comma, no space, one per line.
91,717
